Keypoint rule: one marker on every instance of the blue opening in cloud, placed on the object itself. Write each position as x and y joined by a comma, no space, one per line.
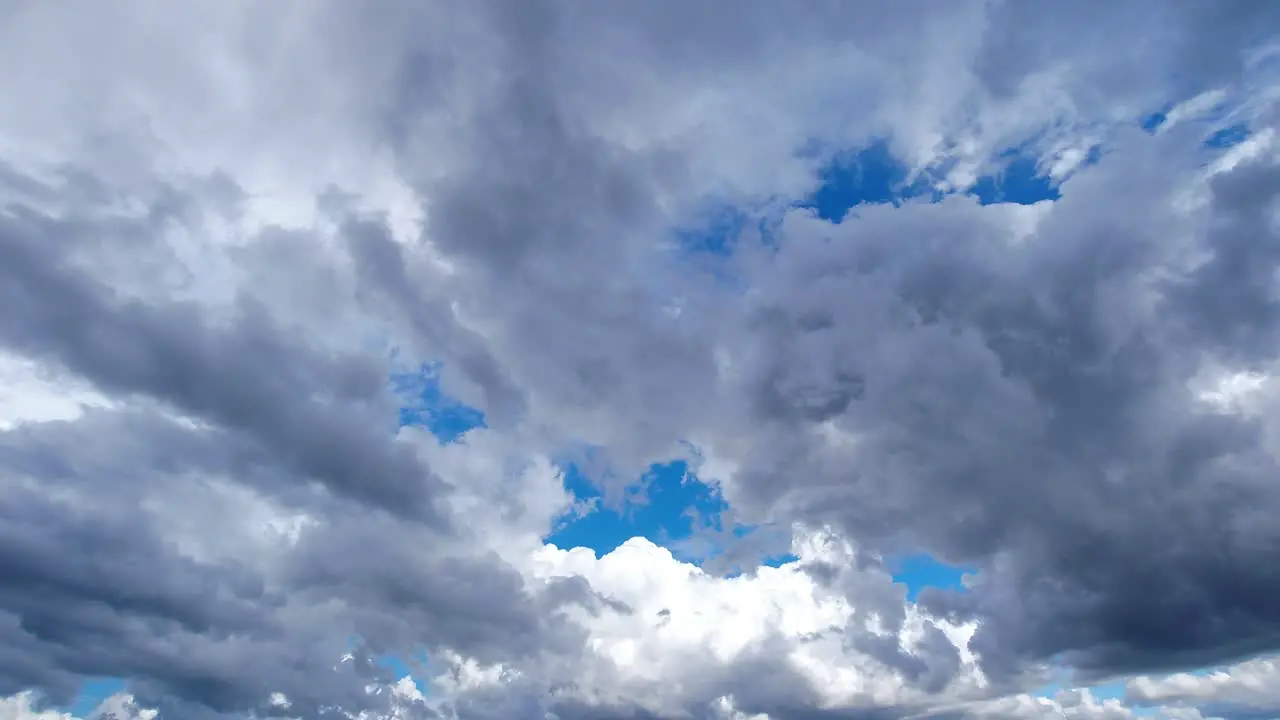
395,664
868,176
1228,136
671,508
91,694
714,232
668,505
1107,691
1219,138
922,571
401,668
1151,123
872,175
712,235
394,667
1019,180
426,405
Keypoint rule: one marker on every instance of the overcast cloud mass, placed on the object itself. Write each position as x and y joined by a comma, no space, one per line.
230,231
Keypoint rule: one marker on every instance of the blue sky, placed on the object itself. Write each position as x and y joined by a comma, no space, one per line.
1219,133
673,504
93,692
426,405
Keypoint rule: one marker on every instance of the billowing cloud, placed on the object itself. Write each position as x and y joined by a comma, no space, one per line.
223,228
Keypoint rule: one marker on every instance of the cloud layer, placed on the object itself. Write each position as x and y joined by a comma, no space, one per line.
224,227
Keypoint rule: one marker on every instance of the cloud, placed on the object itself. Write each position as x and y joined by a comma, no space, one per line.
222,229
1243,690
1022,403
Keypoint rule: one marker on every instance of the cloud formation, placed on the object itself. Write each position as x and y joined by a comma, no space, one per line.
223,228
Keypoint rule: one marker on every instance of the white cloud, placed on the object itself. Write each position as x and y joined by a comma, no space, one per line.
21,707
116,707
1075,704
682,618
31,393
1253,685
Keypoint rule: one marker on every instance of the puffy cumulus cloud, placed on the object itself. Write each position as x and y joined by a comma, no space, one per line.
687,639
19,707
222,226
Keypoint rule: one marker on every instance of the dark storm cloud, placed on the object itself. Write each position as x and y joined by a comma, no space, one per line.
92,583
381,265
1173,564
319,414
552,227
85,593
404,599
91,586
1028,406
1229,302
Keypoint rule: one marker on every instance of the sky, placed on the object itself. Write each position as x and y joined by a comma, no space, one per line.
639,361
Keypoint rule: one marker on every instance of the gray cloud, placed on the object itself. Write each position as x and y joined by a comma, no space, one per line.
203,614
252,376
1027,407
1022,406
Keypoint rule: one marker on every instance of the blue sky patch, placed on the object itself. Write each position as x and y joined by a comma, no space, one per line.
401,668
1218,138
92,692
874,176
713,232
1020,181
395,664
1151,123
671,508
1228,136
1106,691
426,405
922,571
870,176
669,504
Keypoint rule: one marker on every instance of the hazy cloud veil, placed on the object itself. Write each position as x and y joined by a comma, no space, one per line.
224,226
